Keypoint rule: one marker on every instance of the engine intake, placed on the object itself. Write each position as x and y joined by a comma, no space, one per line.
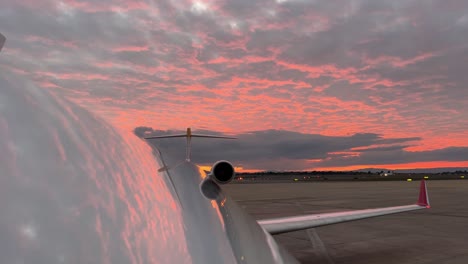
222,172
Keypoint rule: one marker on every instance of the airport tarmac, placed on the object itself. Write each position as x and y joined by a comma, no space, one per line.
435,235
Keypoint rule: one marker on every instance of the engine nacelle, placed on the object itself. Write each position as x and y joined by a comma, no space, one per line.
222,172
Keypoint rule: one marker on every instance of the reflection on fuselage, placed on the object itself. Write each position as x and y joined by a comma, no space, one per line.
75,190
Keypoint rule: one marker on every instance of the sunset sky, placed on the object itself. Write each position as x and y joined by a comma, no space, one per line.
303,84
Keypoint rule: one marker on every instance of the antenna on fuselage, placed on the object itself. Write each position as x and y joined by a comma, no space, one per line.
189,136
2,41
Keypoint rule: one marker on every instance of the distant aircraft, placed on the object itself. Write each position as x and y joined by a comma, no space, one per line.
76,191
385,174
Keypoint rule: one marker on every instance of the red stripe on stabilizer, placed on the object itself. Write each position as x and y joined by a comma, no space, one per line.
423,197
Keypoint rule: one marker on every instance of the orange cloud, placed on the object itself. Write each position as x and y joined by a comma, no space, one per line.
412,165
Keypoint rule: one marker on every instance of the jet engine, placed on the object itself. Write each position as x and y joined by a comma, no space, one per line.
222,172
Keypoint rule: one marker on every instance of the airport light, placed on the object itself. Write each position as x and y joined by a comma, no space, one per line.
409,180
462,177
426,177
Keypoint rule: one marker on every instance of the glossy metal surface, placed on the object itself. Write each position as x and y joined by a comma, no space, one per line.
76,190
289,224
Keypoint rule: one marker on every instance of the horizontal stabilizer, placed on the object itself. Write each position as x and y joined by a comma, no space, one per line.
170,136
192,135
209,136
289,224
189,137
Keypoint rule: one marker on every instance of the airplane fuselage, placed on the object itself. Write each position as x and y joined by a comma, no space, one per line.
217,229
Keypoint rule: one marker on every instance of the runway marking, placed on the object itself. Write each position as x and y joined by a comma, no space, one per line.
317,243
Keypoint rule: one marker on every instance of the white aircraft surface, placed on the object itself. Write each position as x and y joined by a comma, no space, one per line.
76,190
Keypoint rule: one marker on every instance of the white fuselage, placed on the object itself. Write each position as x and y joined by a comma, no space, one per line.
75,190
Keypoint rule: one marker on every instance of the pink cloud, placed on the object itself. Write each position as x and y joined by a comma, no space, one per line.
169,67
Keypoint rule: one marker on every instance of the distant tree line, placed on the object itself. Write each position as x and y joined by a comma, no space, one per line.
286,173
